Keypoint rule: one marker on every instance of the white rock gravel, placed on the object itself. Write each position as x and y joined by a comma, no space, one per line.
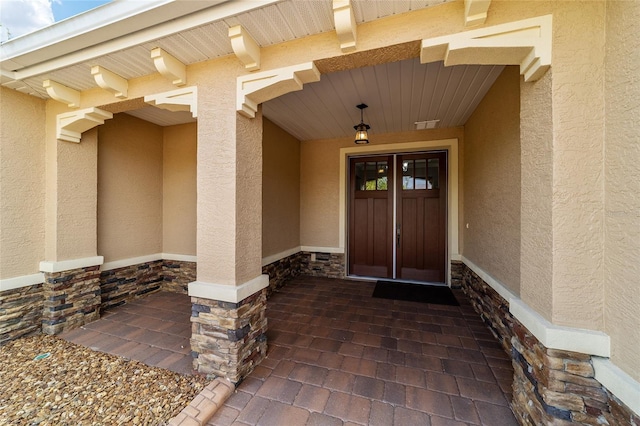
77,386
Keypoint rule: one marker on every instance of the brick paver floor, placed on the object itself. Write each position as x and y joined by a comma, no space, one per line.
338,356
155,330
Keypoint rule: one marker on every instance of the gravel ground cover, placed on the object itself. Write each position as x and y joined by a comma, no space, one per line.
45,380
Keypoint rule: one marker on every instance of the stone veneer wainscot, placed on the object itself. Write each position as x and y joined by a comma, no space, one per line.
21,312
330,265
550,387
123,284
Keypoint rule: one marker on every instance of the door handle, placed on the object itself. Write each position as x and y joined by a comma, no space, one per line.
397,234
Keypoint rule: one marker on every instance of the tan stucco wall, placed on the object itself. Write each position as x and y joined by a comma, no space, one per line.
622,185
280,190
562,136
70,200
492,181
22,183
179,201
129,188
320,181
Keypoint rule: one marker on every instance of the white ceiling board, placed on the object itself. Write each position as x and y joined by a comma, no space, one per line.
398,94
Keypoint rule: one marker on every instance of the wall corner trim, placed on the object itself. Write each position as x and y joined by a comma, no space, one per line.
619,383
21,281
228,292
67,265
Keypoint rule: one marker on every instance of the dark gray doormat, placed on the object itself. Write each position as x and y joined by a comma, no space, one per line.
439,295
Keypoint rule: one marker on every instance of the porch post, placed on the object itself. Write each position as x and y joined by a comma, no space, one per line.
229,295
562,229
71,265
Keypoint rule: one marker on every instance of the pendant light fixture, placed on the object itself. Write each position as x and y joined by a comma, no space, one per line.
362,137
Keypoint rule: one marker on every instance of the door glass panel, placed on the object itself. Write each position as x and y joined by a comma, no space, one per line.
407,174
434,172
420,174
381,184
372,172
360,178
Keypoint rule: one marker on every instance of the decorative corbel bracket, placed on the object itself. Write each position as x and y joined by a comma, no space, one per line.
254,89
170,68
245,47
526,43
110,81
475,12
62,93
345,23
71,125
184,99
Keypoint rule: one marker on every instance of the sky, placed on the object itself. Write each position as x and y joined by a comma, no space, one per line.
19,17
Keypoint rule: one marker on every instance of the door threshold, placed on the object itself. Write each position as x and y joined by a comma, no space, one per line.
399,281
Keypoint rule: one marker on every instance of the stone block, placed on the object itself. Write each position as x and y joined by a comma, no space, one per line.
580,368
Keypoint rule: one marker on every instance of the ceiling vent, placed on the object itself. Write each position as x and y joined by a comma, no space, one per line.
428,124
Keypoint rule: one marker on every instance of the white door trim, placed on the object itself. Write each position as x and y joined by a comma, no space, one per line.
451,145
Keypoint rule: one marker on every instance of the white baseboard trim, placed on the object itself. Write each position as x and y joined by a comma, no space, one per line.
275,257
21,281
180,257
123,263
228,292
67,265
337,250
553,336
619,383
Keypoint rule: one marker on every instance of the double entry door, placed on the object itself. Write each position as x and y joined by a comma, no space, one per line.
397,216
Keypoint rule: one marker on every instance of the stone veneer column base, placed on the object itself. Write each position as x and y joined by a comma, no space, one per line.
228,339
550,387
71,299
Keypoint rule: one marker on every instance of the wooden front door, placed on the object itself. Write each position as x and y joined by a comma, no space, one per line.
371,217
421,218
397,217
